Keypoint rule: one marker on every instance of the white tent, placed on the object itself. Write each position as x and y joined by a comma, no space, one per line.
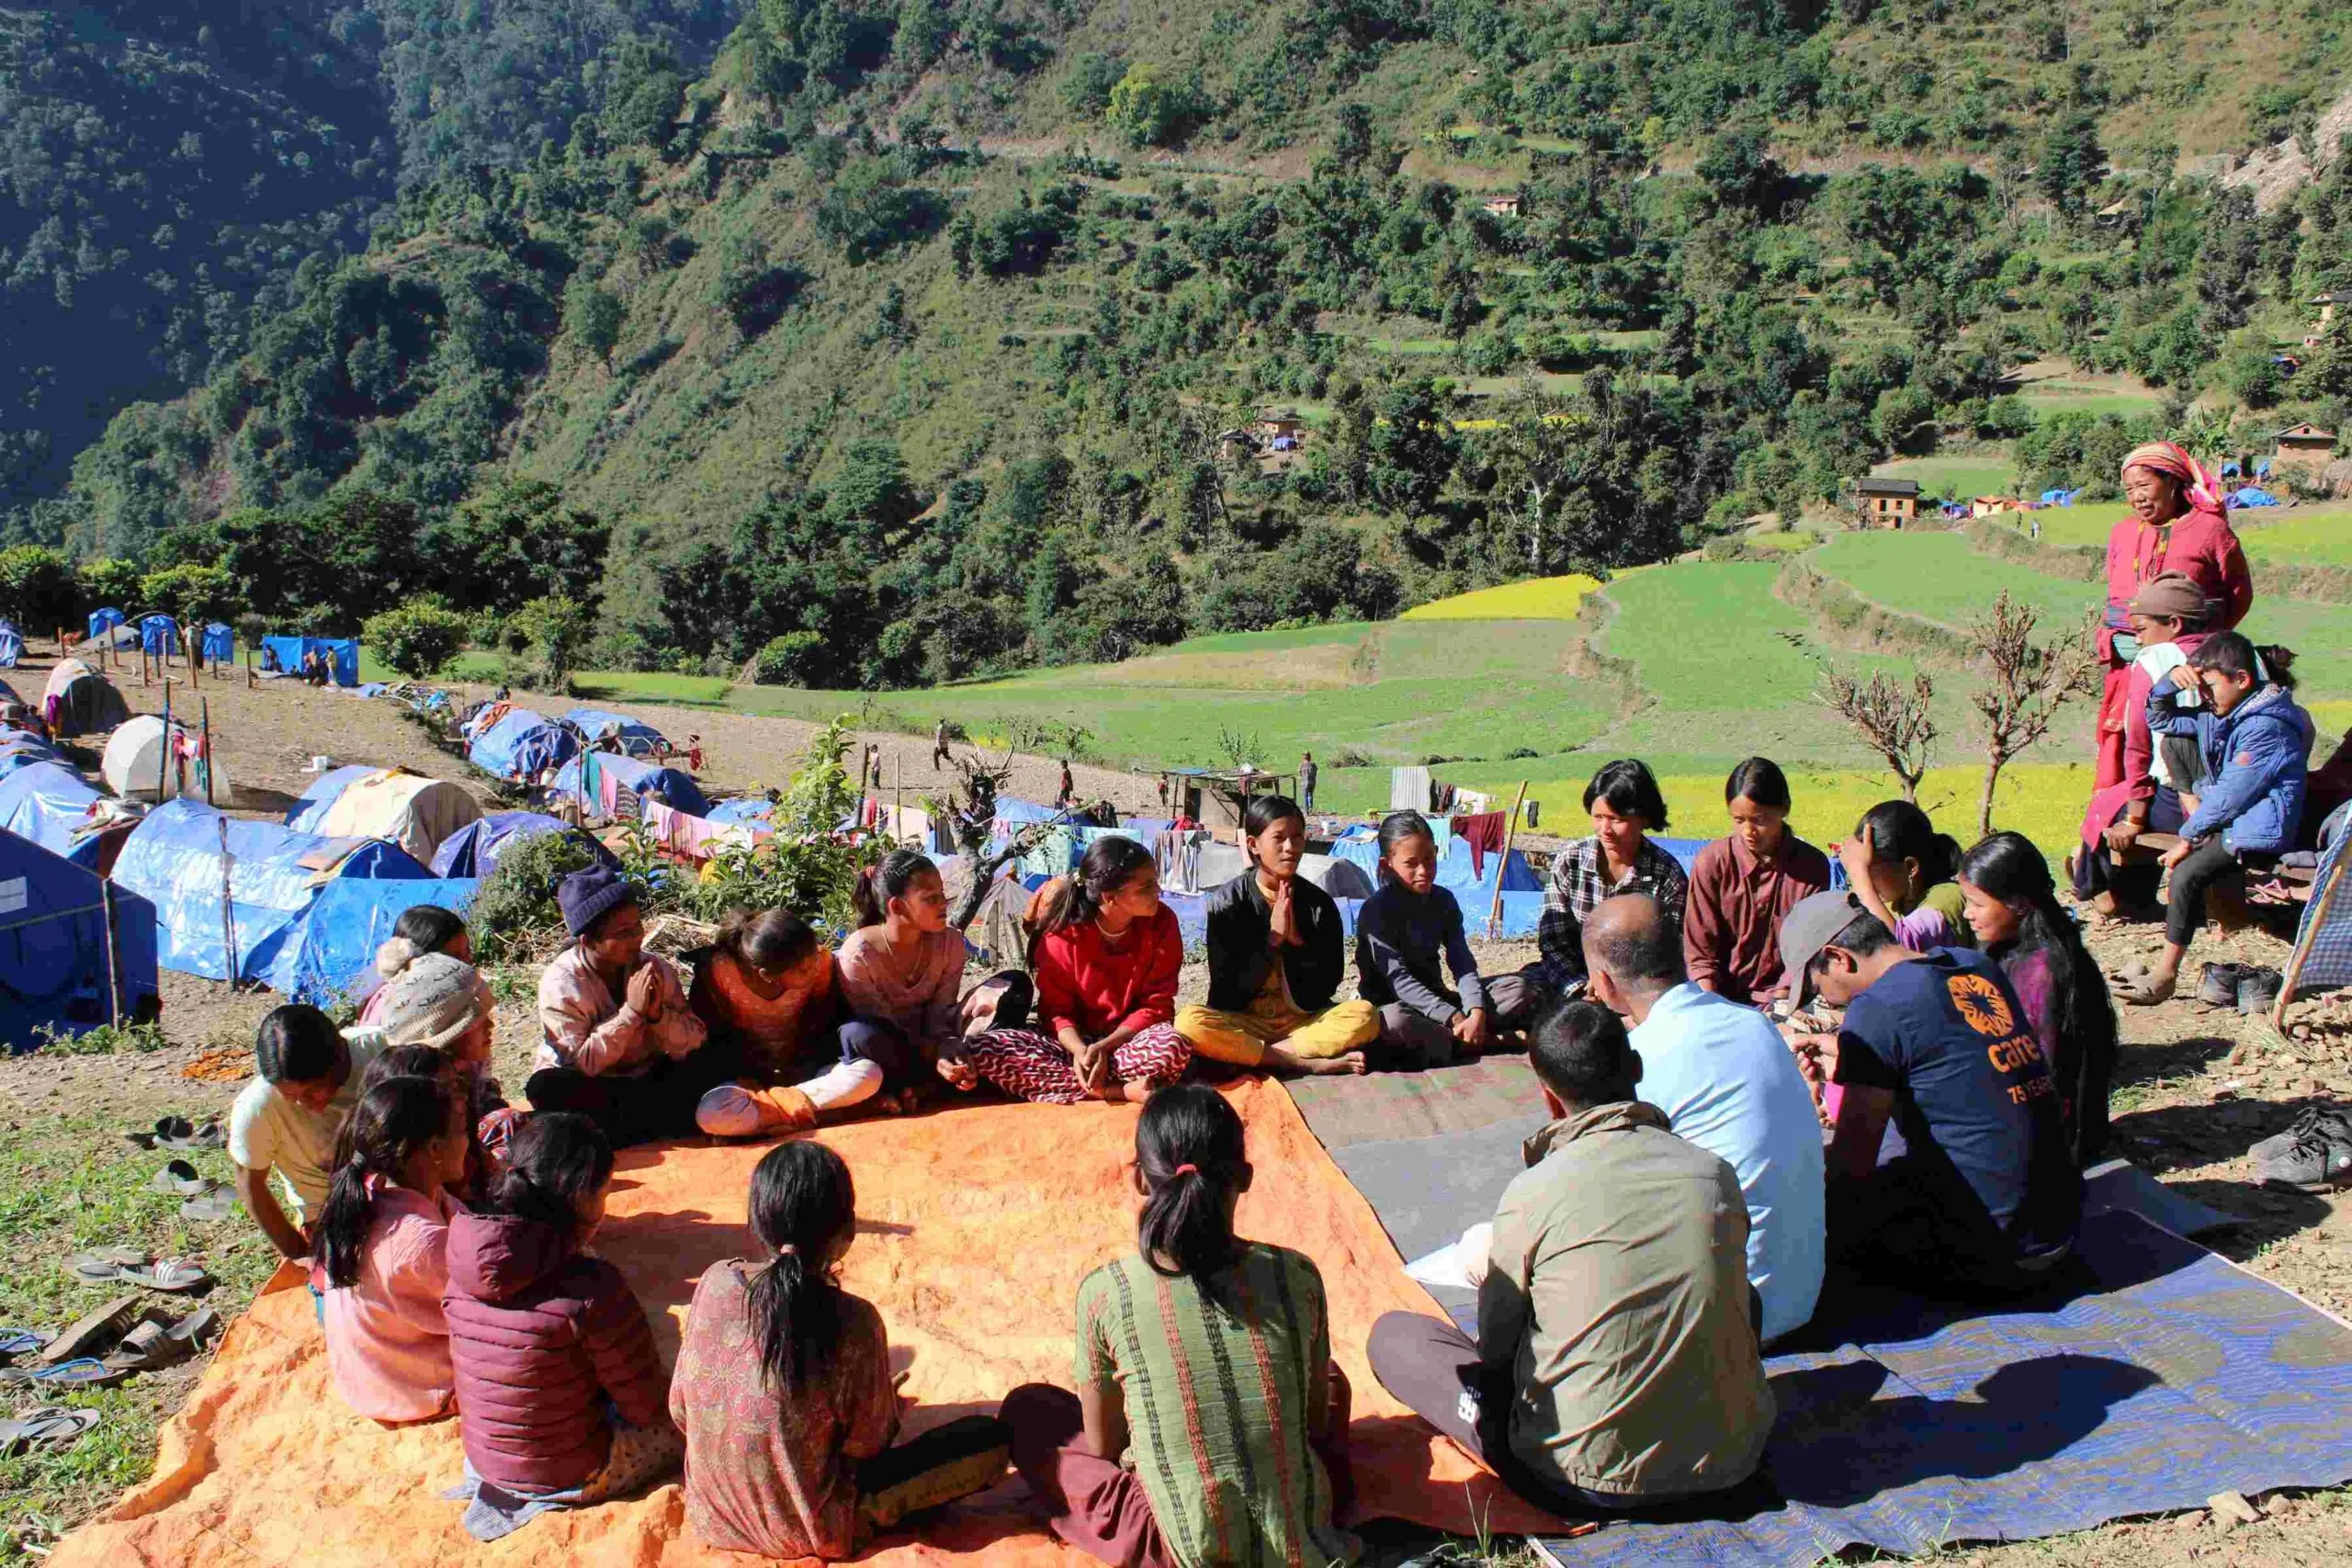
412,811
135,755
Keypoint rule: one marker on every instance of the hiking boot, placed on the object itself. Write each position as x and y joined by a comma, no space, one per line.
2217,985
2314,1159
2329,1121
2258,990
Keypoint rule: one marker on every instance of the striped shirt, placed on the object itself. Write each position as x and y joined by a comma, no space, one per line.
1217,1397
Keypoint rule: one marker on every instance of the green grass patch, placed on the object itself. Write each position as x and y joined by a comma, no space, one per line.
2315,536
1937,577
1954,478
626,686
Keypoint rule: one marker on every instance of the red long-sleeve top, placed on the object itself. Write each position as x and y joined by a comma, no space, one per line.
1085,979
2202,545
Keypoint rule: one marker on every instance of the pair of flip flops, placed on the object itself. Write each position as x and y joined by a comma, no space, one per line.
178,1132
154,1340
207,1199
131,1266
157,1340
51,1426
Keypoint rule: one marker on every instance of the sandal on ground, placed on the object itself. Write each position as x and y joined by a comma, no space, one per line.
2140,994
173,1274
104,1265
215,1202
91,1331
82,1371
179,1133
158,1342
52,1426
179,1179
16,1341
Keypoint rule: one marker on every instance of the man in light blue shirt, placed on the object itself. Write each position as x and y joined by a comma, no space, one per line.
1728,1083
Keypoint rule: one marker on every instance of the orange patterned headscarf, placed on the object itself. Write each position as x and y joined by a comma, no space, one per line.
2200,489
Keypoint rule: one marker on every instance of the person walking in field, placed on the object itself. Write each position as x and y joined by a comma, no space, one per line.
939,745
1307,772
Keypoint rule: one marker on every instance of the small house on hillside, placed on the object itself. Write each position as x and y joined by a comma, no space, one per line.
1887,504
2305,446
1277,425
2329,300
1503,206
1991,505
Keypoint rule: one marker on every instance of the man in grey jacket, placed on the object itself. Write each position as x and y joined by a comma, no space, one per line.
1617,1366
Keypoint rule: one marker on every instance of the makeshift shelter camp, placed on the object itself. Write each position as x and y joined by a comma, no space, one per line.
474,849
106,620
584,777
521,746
49,803
616,732
159,635
342,654
138,764
79,700
75,952
334,949
219,645
412,811
230,895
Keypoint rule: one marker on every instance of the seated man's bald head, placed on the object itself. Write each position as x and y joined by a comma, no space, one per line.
1630,939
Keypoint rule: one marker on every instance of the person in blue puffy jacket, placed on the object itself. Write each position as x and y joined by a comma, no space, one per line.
2255,746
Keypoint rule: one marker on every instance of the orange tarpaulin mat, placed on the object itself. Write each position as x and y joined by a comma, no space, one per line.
975,1224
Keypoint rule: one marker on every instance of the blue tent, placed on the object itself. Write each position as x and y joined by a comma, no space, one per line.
74,952
2060,497
674,788
305,813
274,875
220,644
341,653
474,849
48,803
11,646
335,952
106,620
159,635
22,748
2250,496
521,746
633,735
750,810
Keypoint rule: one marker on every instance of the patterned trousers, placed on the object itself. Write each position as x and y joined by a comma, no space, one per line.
1033,1067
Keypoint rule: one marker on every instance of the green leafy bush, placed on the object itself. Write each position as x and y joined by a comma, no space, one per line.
418,639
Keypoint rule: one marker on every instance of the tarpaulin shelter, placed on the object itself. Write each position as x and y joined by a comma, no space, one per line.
342,654
138,761
231,894
474,849
106,620
335,952
79,700
220,644
159,635
75,952
11,646
49,804
745,811
521,746
2321,959
632,737
2252,495
412,811
22,748
582,777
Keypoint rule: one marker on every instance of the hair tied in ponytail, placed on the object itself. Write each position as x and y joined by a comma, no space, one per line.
787,1250
1183,1170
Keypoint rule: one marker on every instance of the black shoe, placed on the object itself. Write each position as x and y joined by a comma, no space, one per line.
2217,985
2258,990
2313,1156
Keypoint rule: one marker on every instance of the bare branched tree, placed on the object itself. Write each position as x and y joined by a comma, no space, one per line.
1896,722
970,805
2026,684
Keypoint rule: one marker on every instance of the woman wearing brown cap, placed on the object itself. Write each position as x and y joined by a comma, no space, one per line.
2169,617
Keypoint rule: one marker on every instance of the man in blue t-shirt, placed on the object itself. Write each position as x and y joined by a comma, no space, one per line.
1972,1189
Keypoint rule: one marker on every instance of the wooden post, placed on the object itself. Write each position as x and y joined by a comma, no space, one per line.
1510,836
163,758
114,976
228,905
251,680
205,760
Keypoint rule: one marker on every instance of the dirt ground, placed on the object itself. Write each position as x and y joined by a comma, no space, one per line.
2195,1089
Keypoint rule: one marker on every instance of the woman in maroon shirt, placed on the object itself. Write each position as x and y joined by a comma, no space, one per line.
1743,885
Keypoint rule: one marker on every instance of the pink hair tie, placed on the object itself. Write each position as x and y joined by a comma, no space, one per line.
1184,1171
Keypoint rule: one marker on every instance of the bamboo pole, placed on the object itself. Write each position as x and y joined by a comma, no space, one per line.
114,973
164,757
1511,837
206,754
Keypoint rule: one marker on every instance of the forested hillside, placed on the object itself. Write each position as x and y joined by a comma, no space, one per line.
910,340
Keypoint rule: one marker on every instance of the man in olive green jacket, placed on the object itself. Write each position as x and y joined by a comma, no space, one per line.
1617,1365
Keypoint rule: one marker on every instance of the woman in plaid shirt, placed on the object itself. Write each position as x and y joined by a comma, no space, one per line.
1626,807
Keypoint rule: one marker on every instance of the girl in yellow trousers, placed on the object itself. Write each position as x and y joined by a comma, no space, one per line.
1276,957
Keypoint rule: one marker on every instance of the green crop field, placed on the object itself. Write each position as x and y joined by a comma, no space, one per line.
2319,534
1955,479
1936,576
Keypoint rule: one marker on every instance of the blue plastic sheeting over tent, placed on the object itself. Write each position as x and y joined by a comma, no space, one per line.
220,644
334,952
159,634
474,849
1018,811
2252,496
522,745
106,620
341,653
305,813
1454,870
21,749
11,646
648,781
173,860
2060,497
747,809
634,734
54,942
45,802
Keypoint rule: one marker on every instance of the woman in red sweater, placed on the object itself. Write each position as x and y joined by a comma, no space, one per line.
1105,957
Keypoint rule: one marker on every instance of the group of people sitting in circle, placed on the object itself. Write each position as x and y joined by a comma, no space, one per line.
1755,1084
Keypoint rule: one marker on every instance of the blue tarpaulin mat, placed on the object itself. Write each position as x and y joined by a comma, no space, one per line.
174,860
335,952
54,958
2159,1375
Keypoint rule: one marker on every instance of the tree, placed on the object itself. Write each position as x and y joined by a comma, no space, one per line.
194,593
514,541
1898,725
593,315
1739,172
558,630
790,660
1087,90
1147,110
2026,685
1538,455
418,639
37,587
108,579
2072,164
1413,448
